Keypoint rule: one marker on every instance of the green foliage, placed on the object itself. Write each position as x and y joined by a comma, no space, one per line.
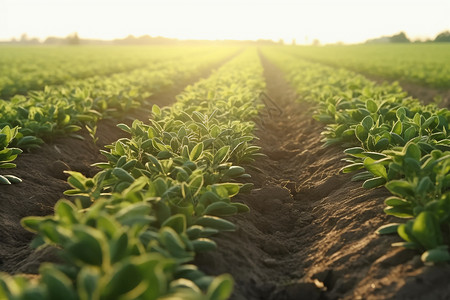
134,227
399,143
88,92
424,64
8,154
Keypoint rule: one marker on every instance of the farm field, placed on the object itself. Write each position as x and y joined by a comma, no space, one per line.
227,176
422,69
424,64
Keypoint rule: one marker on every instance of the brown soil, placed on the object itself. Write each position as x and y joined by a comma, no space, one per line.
310,233
428,95
44,180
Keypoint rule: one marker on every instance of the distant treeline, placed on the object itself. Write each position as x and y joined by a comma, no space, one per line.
443,37
74,39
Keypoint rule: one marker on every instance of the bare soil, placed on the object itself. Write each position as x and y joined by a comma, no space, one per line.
44,180
309,234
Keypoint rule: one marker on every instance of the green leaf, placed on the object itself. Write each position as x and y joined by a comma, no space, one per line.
176,222
375,167
413,151
4,180
215,222
397,202
354,150
196,152
367,122
66,212
400,212
425,186
125,277
241,207
221,288
124,127
119,247
156,110
437,255
231,188
371,106
203,245
374,182
352,168
400,188
196,184
76,180
59,286
375,155
405,231
426,230
88,283
220,209
173,243
382,144
401,113
410,133
431,123
397,128
388,229
221,155
361,133
123,175
87,246
32,223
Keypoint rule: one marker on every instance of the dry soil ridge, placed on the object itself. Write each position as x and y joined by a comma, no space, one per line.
309,226
311,231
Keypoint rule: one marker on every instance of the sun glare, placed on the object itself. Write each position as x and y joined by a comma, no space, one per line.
329,21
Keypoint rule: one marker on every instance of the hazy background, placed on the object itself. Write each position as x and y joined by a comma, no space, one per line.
330,21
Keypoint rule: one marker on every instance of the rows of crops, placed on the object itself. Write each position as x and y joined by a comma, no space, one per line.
133,230
427,64
160,195
399,143
25,69
64,109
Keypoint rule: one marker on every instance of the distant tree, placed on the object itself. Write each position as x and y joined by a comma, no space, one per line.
443,37
316,42
73,39
399,38
51,40
24,38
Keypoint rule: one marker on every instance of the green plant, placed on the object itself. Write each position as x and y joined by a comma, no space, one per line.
392,140
7,155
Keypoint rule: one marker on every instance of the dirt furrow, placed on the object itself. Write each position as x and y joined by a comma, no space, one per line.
310,233
44,181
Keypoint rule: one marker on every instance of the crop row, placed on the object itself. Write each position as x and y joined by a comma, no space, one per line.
426,64
25,69
134,228
62,110
391,140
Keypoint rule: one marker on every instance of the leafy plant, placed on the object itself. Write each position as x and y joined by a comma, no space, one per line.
136,225
392,141
7,155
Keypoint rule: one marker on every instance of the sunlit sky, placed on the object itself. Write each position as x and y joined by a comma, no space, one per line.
330,21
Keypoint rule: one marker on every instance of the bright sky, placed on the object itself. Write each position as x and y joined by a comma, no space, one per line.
329,21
